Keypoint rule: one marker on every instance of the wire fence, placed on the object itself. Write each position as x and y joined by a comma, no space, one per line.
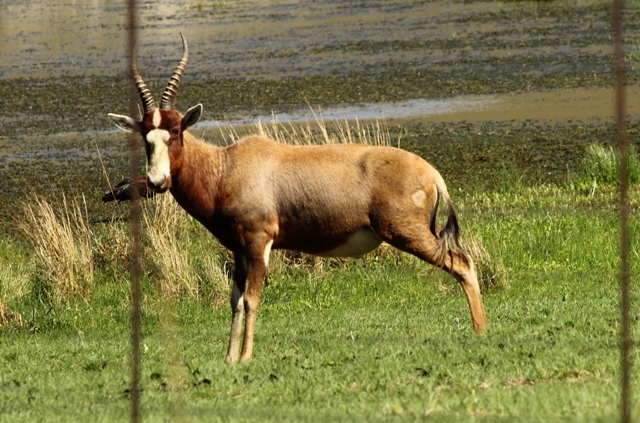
618,59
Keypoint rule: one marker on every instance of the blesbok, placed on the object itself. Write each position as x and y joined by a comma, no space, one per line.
257,195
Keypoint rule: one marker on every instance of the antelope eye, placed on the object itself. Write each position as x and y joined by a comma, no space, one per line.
175,130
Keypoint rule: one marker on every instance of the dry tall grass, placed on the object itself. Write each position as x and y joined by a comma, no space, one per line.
15,276
113,245
167,231
337,133
163,221
14,284
317,132
62,241
489,269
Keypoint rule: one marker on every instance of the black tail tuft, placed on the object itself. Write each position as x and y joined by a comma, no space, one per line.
451,229
449,236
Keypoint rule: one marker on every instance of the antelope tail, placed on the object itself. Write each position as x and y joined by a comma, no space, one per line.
449,237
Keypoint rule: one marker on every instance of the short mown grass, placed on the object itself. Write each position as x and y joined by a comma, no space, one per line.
383,338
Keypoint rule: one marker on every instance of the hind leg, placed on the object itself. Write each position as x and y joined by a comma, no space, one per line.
423,244
461,267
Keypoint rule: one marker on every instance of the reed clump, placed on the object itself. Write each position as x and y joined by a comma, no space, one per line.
599,167
15,281
182,265
489,267
62,241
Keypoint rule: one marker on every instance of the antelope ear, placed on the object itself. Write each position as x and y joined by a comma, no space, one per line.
125,123
191,116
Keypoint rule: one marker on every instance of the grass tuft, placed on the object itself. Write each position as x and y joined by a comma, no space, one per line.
62,241
168,234
489,268
600,167
164,221
15,278
8,317
319,131
15,272
336,132
113,245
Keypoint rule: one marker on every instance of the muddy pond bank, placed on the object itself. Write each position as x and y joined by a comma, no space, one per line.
252,58
63,65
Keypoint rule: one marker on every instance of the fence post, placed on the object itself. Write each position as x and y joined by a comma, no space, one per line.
623,175
134,390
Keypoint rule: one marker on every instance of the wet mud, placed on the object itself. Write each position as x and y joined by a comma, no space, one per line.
479,88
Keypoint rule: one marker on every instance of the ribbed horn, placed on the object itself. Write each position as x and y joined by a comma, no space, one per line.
171,91
148,103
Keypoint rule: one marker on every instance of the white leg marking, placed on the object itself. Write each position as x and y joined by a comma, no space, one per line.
267,251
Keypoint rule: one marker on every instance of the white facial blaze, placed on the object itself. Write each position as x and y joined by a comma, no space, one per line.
157,117
159,165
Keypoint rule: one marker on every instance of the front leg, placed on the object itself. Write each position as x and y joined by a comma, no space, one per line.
257,263
237,306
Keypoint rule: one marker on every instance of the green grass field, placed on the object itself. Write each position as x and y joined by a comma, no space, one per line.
385,338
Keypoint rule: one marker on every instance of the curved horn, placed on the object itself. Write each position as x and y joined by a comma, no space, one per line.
170,92
148,103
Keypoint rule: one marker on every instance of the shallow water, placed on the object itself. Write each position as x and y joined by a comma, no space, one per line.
275,39
242,38
579,105
375,59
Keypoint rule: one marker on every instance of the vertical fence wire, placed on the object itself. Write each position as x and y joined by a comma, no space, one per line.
623,149
135,213
623,175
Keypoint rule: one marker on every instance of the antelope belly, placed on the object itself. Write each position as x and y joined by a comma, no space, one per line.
359,243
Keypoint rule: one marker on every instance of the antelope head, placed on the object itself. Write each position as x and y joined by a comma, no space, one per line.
162,129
